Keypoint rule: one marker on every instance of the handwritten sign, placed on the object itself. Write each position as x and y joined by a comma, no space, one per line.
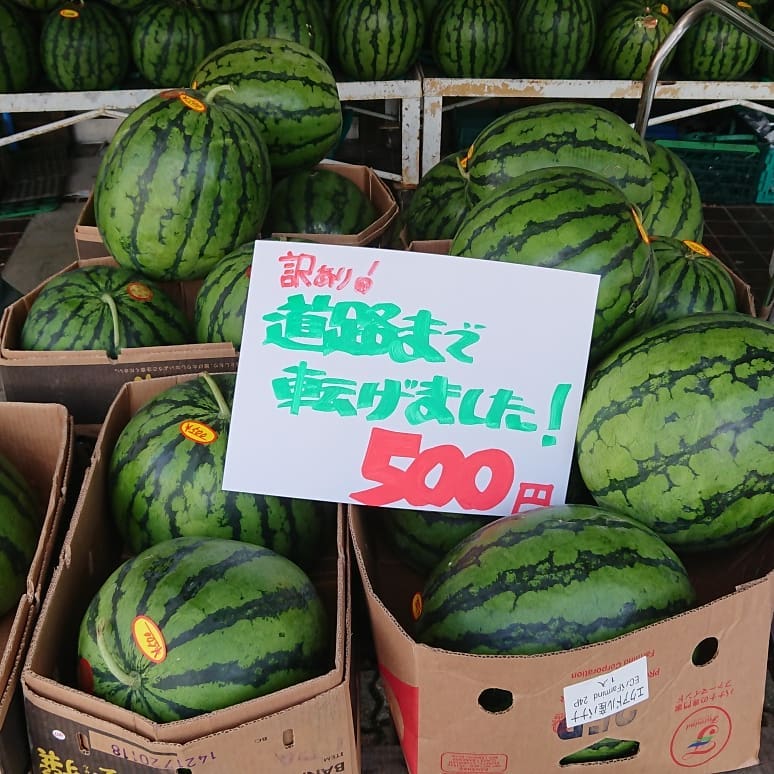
384,377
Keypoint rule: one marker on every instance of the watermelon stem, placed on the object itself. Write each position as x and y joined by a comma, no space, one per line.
111,304
224,411
132,680
215,90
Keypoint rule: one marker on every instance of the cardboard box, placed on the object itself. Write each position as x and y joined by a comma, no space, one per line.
87,381
703,717
38,439
307,727
88,240
380,195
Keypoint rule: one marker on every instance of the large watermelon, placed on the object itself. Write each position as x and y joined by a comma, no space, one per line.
219,311
318,201
197,624
216,6
553,38
227,24
103,307
570,218
713,48
185,180
166,475
299,20
439,202
552,579
19,58
169,40
676,426
84,47
288,89
630,33
690,280
376,40
560,133
675,209
39,5
19,531
472,39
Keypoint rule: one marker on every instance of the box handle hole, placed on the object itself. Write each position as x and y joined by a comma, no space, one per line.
495,700
288,738
83,743
705,651
605,751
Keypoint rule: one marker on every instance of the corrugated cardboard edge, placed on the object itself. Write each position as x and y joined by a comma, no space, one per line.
55,428
88,240
44,689
380,195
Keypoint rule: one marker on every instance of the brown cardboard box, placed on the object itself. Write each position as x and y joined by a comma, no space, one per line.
39,440
307,727
380,195
703,717
87,381
88,240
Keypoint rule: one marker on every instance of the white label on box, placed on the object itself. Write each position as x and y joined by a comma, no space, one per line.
606,694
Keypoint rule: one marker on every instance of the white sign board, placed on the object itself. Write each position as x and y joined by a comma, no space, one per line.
391,378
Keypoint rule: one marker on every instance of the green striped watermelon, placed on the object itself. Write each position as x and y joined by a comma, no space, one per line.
19,532
472,39
219,311
288,89
102,308
185,180
713,48
675,430
606,749
127,6
376,40
193,625
553,38
573,219
439,202
690,280
216,6
560,133
552,579
169,40
299,20
422,538
630,33
318,201
675,209
19,59
227,24
84,47
39,5
166,474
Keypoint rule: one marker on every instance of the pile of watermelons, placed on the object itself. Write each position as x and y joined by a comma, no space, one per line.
97,44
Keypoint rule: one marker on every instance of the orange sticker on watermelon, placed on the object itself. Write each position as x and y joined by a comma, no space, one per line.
149,639
139,291
69,13
198,432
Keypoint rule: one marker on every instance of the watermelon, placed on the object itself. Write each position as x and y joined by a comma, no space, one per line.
299,20
227,24
573,219
690,280
713,48
219,310
675,209
166,474
19,60
377,40
193,625
288,89
84,47
39,5
606,749
560,133
318,201
215,6
102,307
422,538
169,40
19,532
549,580
471,39
126,6
675,430
553,38
185,180
630,33
439,202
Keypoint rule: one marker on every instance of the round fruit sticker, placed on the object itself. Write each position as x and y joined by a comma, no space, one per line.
700,737
697,248
139,292
640,227
149,639
198,432
192,103
69,13
416,606
664,9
